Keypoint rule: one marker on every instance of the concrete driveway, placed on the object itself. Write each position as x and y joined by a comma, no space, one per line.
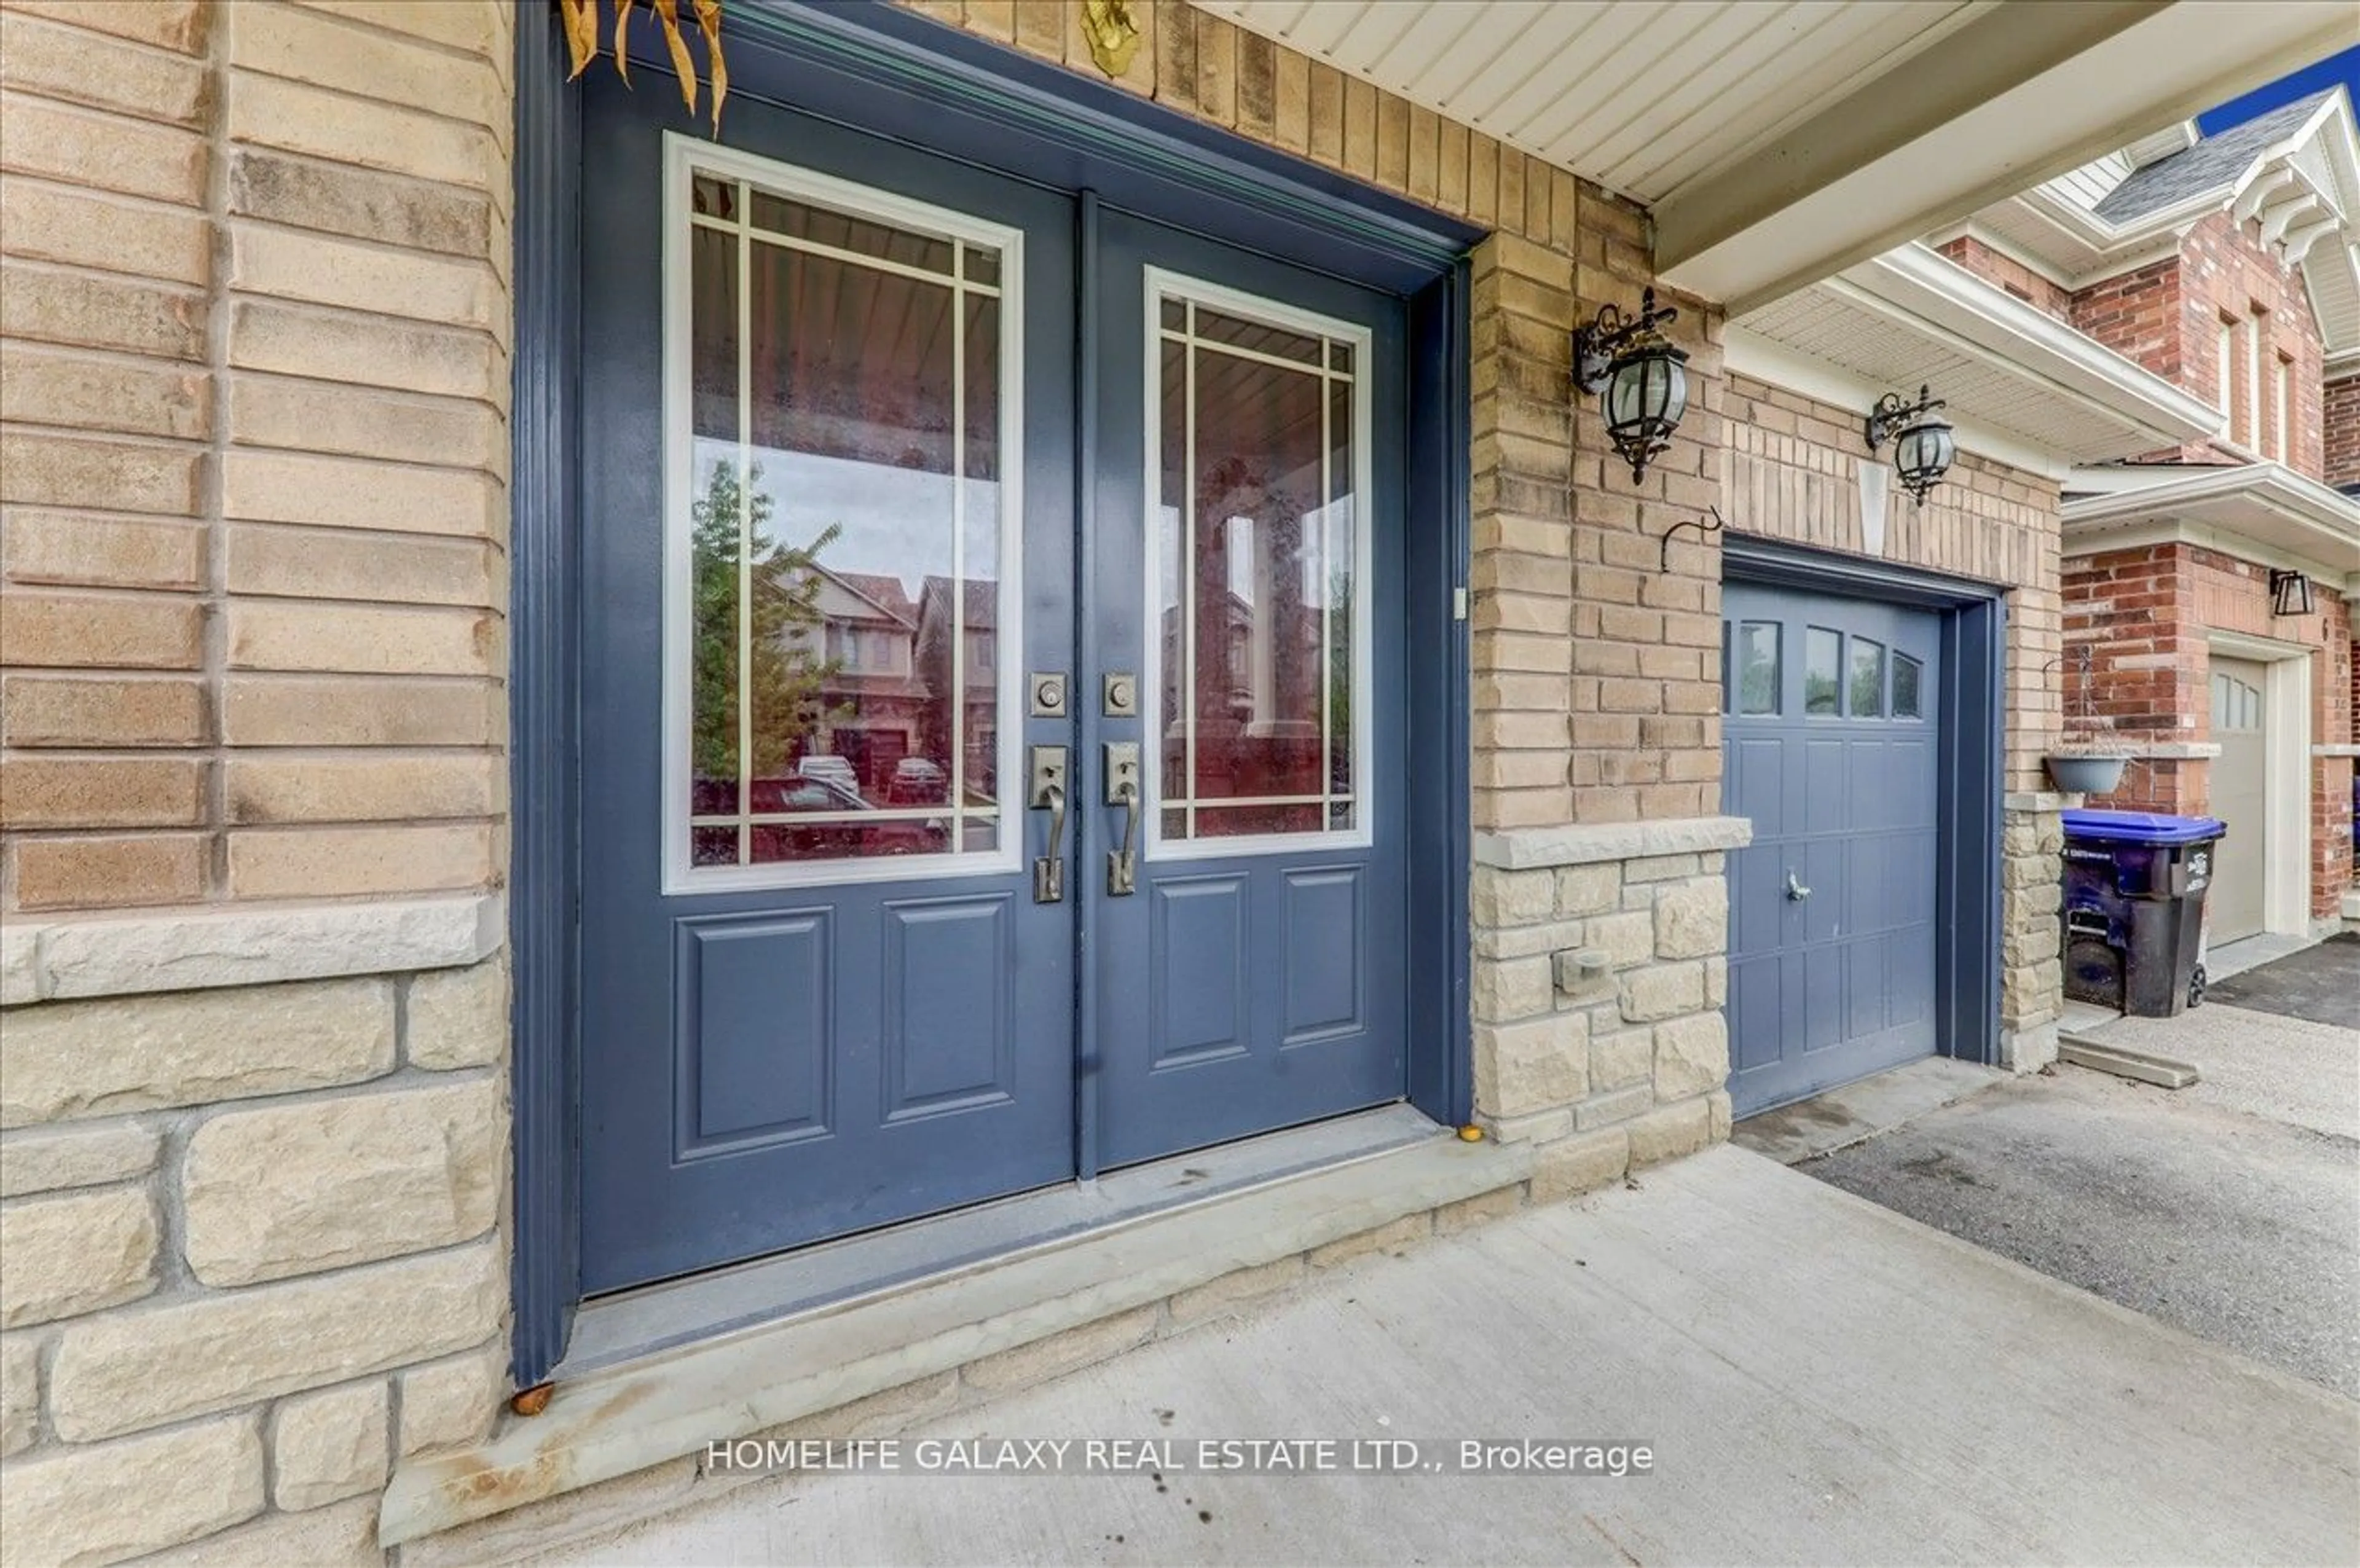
2230,1208
1822,1380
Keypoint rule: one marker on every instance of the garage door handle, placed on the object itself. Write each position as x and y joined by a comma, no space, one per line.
1795,889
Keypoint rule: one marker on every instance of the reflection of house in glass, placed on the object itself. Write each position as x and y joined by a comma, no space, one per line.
873,705
888,663
1255,688
979,663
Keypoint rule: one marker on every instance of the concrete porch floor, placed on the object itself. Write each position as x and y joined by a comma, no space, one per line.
1821,1381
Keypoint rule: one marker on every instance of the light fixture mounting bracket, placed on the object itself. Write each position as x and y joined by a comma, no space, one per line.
1595,346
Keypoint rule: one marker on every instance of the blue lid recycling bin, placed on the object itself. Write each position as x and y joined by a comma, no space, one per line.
2134,915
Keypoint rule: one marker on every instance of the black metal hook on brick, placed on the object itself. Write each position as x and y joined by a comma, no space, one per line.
1701,527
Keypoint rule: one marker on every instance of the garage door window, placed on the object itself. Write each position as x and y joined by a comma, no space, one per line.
1867,678
1822,672
1757,667
1905,699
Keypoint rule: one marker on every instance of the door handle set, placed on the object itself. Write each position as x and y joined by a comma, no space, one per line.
1046,791
1123,790
1795,889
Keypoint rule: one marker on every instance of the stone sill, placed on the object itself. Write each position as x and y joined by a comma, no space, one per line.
624,1419
2325,751
1525,849
81,957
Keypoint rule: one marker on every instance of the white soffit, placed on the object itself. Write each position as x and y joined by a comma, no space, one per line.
1779,140
2294,521
2009,371
1641,96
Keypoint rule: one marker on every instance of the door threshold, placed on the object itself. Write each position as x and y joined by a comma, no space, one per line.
648,1320
656,1406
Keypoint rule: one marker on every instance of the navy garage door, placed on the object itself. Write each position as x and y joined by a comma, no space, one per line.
1831,745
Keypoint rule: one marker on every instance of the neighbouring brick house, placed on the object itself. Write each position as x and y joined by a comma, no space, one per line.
2226,263
2339,420
448,946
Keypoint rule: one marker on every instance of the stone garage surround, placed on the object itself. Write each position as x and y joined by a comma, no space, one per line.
1600,969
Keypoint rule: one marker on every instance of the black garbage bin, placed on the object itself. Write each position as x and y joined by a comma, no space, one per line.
2134,886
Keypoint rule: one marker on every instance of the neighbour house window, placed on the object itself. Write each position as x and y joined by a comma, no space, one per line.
2235,704
2254,326
2226,361
2285,395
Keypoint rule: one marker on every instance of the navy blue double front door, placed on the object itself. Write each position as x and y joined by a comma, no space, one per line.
990,675
1832,745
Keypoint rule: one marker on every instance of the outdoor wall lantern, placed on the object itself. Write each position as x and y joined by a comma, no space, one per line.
1637,373
2290,593
1922,443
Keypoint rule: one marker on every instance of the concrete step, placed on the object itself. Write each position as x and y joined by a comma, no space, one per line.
1151,1272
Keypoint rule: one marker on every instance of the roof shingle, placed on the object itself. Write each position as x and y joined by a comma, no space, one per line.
2212,164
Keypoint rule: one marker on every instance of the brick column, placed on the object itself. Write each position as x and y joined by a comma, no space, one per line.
254,321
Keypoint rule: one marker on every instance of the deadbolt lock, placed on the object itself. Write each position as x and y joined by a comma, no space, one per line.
1048,689
1121,695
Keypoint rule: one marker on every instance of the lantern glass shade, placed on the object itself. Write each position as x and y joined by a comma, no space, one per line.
1646,393
1923,454
2290,593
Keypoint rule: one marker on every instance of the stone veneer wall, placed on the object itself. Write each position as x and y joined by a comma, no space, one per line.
1793,473
2144,614
253,1123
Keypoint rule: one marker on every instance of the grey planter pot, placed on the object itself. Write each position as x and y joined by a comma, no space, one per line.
2087,775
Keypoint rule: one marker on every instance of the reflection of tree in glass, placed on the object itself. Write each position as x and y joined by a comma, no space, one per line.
788,673
1339,680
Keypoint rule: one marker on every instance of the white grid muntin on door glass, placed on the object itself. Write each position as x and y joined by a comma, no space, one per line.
686,162
1191,295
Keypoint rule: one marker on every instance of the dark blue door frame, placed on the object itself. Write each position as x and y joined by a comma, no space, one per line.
886,69
1972,772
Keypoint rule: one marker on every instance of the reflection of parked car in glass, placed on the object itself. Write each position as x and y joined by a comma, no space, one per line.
833,770
917,782
842,835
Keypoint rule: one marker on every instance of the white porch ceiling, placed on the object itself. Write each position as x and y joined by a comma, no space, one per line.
1779,141
1641,96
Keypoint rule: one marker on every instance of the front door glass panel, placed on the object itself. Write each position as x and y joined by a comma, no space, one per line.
1258,575
845,593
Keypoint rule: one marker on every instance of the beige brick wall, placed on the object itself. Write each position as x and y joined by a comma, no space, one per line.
254,321
255,514
254,318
